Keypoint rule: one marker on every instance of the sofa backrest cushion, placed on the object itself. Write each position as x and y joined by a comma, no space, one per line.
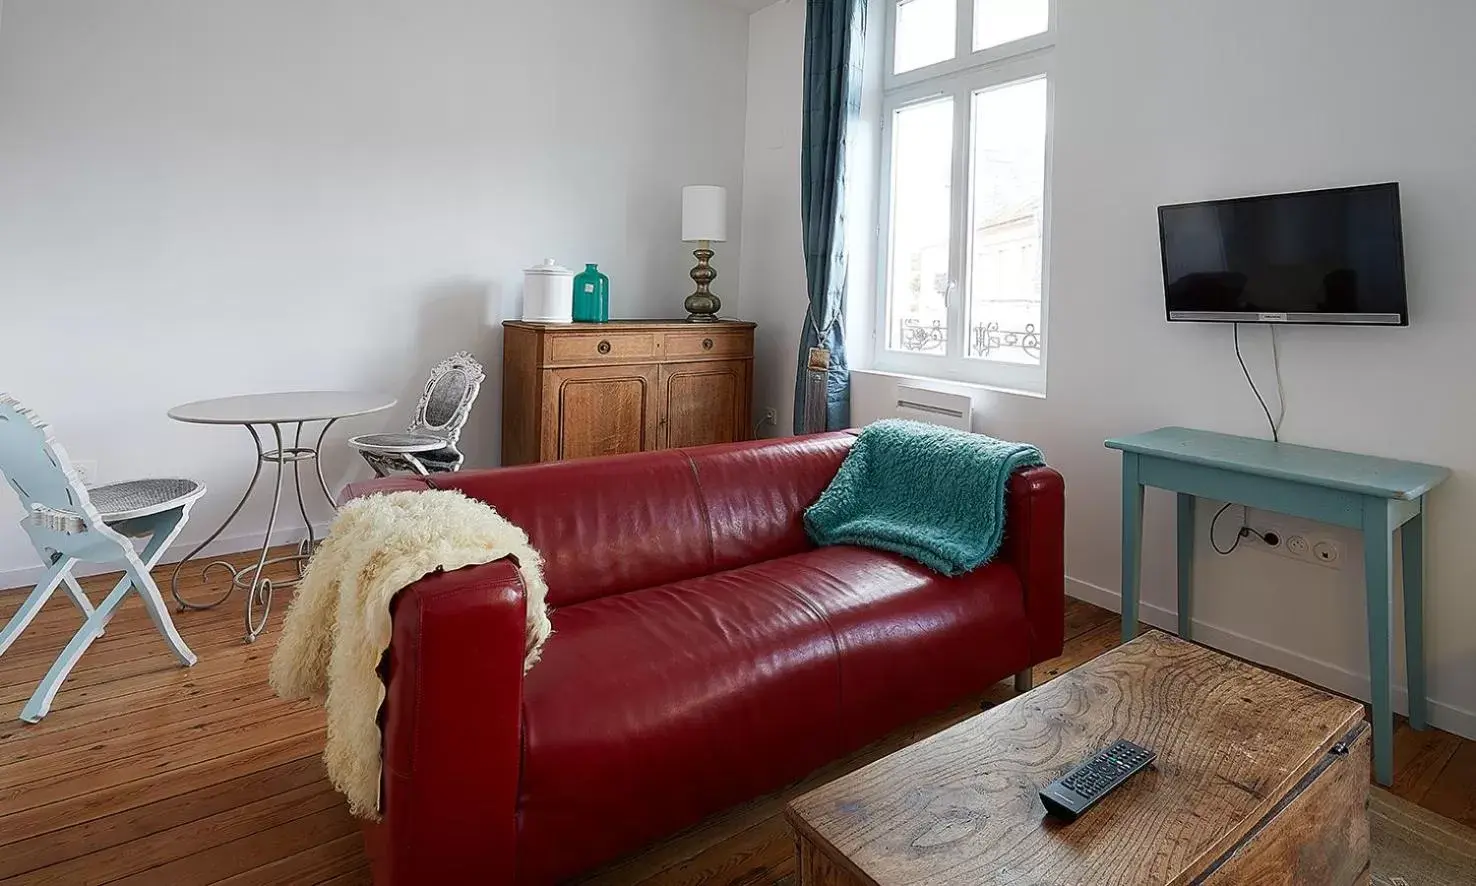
610,525
603,525
756,493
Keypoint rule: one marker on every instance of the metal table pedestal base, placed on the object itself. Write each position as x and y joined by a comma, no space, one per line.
252,579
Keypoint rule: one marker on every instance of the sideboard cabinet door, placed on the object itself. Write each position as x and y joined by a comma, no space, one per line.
599,411
704,403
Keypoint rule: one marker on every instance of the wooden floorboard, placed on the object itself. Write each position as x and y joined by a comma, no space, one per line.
107,834
149,773
1420,758
1453,793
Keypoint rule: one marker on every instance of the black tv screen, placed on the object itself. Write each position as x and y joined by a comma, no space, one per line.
1334,256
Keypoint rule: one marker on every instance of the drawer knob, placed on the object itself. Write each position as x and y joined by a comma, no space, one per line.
707,344
604,347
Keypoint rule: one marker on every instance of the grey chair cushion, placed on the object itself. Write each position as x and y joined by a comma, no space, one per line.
139,498
397,443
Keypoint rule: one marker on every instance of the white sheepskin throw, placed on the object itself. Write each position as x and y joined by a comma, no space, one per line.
338,625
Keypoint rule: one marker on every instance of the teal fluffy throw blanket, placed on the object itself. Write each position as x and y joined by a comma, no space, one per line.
930,493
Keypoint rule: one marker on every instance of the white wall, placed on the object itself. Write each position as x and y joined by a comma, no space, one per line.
202,199
1159,102
773,279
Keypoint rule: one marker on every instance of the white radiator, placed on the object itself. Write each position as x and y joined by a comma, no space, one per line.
935,407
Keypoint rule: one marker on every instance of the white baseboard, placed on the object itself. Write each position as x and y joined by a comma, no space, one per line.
24,578
1322,673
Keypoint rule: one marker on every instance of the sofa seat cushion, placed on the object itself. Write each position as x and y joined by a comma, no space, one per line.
655,708
910,641
652,709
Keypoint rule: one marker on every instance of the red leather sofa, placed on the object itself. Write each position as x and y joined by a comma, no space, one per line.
705,653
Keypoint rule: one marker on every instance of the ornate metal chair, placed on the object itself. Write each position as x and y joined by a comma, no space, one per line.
429,445
69,523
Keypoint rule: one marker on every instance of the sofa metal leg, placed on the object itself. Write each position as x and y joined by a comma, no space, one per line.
1025,681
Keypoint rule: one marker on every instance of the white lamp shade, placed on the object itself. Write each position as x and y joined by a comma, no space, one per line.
704,213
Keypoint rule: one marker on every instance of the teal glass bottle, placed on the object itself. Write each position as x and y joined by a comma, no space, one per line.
591,296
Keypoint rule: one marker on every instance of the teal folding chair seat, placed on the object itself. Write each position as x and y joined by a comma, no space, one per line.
69,523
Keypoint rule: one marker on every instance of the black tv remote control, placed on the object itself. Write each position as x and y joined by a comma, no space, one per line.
1080,788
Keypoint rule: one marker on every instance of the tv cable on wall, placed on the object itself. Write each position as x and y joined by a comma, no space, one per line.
1324,257
1273,423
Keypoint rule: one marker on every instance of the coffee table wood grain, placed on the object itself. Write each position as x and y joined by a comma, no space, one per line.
1259,779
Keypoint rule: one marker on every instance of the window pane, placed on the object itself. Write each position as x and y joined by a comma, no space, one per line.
922,182
926,32
1000,21
1006,228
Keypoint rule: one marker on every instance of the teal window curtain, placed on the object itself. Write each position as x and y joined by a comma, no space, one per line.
835,38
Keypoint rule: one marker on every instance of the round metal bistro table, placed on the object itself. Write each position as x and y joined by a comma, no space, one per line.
271,411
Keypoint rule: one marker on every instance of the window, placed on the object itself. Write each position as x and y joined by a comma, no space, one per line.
965,191
925,33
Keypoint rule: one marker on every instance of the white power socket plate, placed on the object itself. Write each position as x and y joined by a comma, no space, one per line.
1314,549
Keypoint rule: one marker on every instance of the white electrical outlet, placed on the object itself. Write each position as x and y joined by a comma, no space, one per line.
770,416
1294,546
87,471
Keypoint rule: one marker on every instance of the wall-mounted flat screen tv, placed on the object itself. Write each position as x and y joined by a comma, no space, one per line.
1331,256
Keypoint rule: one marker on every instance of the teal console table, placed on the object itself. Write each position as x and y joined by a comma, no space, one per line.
1374,495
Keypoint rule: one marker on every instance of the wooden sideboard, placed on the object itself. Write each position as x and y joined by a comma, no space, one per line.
574,390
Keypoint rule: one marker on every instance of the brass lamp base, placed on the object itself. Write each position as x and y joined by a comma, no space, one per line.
702,306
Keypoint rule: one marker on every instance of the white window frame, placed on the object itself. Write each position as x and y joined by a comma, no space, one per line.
961,77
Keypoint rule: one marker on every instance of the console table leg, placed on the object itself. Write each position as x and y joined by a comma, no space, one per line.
1412,551
1378,562
1132,544
1186,566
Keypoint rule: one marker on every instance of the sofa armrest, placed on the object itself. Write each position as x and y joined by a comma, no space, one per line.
1035,543
452,730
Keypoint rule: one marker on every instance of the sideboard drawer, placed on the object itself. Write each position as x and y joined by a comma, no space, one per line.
707,343
593,348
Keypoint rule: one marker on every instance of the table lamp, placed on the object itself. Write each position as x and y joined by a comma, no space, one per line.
704,220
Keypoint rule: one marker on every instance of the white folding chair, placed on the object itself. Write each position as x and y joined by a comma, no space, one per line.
69,523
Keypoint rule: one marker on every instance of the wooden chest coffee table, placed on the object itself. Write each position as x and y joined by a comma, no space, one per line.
1259,779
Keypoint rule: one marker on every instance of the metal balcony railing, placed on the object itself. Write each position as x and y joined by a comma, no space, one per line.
984,338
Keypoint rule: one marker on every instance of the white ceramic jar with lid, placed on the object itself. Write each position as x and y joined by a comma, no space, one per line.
548,293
